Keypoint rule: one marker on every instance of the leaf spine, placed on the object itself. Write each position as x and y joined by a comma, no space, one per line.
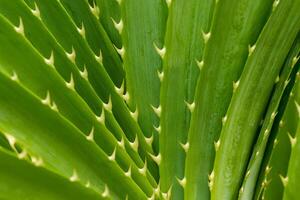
143,170
206,36
149,140
185,146
182,182
20,29
251,49
71,55
50,60
71,84
128,173
191,106
47,100
84,73
108,106
156,158
135,143
160,75
118,25
293,140
90,137
157,110
101,118
161,51
81,30
120,51
200,64
36,11
105,193
14,77
135,114
112,157
284,180
99,58
74,176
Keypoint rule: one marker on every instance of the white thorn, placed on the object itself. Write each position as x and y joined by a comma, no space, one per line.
295,60
71,84
149,140
90,137
105,193
14,77
157,110
284,180
191,106
126,96
156,159
22,155
37,161
99,58
128,173
119,26
71,55
84,73
157,190
135,143
50,60
168,3
36,11
121,51
217,145
101,118
11,140
158,129
161,51
108,106
74,176
135,114
81,30
293,140
247,173
95,10
112,157
224,119
152,197
185,146
54,107
268,169
182,182
241,190
121,143
236,85
251,49
47,100
200,64
120,90
206,36
20,29
273,115
160,75
275,4
143,170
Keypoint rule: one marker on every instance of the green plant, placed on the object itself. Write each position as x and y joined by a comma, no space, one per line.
153,99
